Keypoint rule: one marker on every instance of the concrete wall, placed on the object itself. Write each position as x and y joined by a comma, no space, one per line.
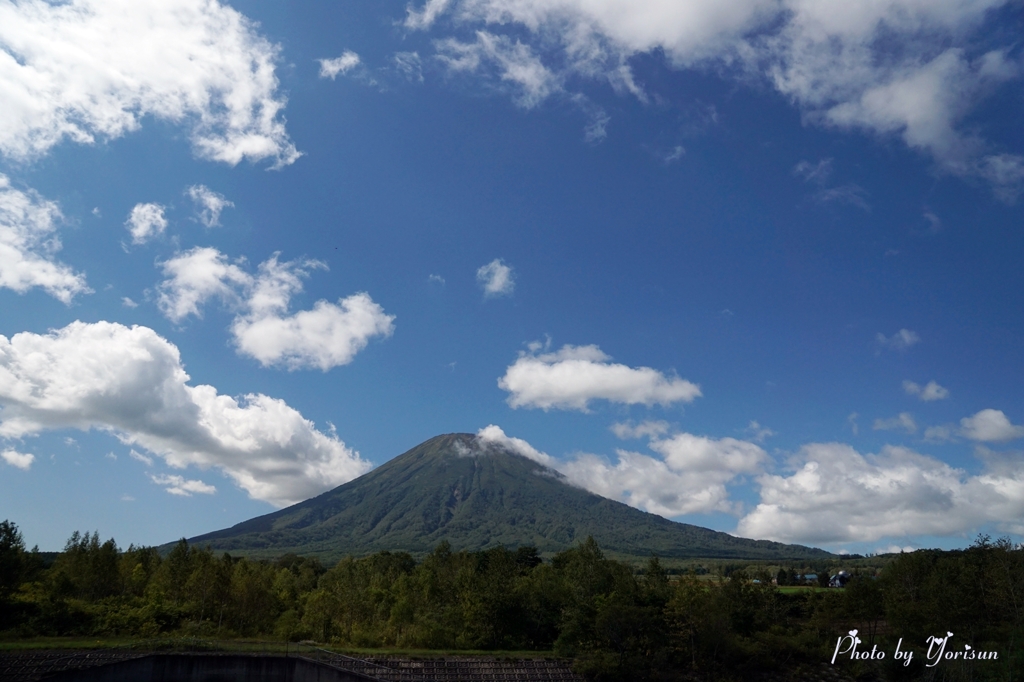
209,668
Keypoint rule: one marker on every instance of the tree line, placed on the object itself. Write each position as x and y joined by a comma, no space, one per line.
615,621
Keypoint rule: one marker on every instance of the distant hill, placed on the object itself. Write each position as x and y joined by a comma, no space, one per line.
454,488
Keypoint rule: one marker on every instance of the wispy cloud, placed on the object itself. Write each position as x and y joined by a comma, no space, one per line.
209,204
496,278
900,341
928,393
331,68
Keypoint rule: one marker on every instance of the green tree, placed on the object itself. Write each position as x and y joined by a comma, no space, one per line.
12,559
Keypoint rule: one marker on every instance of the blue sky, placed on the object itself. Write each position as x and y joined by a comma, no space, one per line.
752,264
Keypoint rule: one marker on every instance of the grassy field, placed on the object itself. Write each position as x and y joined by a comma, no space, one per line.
801,589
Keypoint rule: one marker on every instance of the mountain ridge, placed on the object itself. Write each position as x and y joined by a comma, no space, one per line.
475,495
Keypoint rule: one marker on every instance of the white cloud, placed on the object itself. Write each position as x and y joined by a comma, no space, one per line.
817,173
689,477
28,223
327,336
330,68
990,426
436,279
895,549
930,392
409,65
17,459
145,222
938,434
130,381
195,277
128,303
901,340
851,194
424,18
758,433
209,203
901,421
92,69
573,376
837,64
839,495
645,429
514,62
178,485
494,435
496,278
139,457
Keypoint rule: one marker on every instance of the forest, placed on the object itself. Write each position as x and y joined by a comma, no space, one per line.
615,621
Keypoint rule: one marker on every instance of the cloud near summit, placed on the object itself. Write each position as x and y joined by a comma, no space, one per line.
568,379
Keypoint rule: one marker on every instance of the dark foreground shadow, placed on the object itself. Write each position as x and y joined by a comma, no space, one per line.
210,668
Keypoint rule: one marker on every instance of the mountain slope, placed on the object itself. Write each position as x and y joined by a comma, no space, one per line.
454,488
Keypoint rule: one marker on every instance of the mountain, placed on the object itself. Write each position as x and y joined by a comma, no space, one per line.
475,495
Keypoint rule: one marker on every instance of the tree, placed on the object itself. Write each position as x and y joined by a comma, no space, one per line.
12,553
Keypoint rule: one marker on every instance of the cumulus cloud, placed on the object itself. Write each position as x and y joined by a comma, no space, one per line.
840,495
17,459
687,475
209,204
930,392
92,69
28,242
145,222
130,382
690,476
571,377
193,278
903,421
837,65
990,426
327,336
330,68
496,278
901,340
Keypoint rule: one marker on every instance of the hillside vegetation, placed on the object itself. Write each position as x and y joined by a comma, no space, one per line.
452,489
617,623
